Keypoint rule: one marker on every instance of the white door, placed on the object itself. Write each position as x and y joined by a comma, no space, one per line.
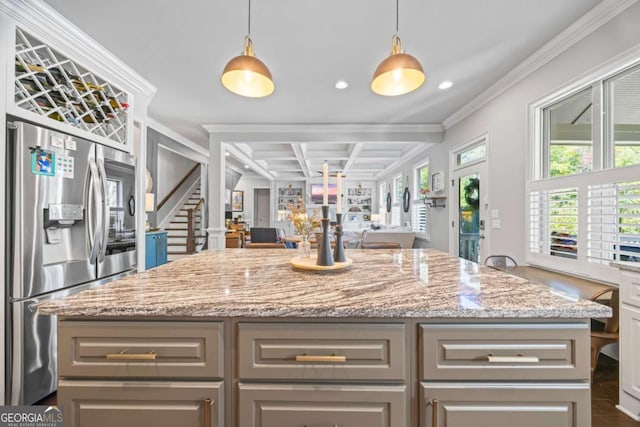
469,206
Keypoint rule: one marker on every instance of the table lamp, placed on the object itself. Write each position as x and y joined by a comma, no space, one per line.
149,206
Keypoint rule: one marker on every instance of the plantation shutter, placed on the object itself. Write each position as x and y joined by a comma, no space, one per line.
553,222
419,217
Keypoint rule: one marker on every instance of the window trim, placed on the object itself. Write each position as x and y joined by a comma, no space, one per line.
417,199
536,179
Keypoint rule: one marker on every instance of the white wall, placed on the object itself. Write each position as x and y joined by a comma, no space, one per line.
172,168
248,184
505,121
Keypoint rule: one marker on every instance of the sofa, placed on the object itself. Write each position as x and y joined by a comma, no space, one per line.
405,238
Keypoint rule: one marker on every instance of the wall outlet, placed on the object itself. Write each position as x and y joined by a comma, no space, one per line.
496,224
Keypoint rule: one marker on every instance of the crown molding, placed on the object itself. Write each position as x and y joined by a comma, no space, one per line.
170,133
42,21
587,24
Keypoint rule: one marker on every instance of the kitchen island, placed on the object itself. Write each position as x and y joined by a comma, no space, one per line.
401,338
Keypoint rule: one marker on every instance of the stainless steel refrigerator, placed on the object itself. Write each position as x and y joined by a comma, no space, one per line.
70,225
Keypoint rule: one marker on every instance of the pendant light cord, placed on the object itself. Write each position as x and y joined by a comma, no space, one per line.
249,23
397,13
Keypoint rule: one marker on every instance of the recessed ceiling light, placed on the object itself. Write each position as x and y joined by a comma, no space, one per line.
341,84
445,85
226,153
246,166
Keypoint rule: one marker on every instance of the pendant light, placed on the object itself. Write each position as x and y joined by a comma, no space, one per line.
245,74
400,72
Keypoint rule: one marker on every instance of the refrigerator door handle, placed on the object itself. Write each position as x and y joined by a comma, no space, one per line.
95,232
105,212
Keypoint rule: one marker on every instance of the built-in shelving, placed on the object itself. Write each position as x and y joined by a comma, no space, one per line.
288,196
359,202
51,85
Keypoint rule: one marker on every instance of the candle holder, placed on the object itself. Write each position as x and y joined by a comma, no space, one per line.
338,252
324,247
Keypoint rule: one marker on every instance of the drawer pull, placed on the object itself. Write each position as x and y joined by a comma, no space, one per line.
512,359
207,412
318,358
131,356
434,412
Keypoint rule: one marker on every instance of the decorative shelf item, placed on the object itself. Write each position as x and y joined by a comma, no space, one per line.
51,85
436,202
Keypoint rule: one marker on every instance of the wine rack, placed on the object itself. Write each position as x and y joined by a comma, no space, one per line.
51,85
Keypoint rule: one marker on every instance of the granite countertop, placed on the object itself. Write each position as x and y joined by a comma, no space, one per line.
409,283
626,266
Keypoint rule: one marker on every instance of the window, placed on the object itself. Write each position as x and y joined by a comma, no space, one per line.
568,130
418,208
398,189
396,216
422,181
396,211
623,120
382,203
473,154
584,199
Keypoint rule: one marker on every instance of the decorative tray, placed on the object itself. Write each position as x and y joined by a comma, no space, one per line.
309,263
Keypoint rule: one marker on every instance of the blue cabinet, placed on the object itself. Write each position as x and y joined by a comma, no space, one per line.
155,249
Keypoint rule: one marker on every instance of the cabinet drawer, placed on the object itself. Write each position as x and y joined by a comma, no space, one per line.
288,405
134,404
504,405
630,289
374,352
140,349
505,351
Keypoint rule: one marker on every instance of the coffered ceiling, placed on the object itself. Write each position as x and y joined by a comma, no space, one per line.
182,47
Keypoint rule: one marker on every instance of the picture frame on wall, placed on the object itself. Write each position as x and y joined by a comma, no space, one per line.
237,201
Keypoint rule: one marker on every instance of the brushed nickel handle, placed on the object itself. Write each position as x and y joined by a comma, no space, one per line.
207,412
131,356
512,359
434,412
319,358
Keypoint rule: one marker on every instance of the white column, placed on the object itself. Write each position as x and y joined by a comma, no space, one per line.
216,231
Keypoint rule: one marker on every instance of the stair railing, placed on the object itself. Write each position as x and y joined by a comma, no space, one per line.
194,227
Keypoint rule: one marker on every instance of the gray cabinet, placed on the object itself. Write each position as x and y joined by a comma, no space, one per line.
505,351
504,405
630,344
90,403
512,358
252,372
141,350
296,405
326,351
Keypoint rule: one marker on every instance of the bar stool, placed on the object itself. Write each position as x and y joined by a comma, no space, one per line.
611,332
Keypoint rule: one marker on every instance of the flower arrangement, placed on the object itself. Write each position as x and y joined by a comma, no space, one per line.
303,224
424,192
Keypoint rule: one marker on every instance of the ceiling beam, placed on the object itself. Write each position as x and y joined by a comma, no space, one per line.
410,155
271,155
380,154
354,152
300,151
343,133
241,156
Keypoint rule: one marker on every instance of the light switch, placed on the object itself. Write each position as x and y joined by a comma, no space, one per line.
496,224
495,213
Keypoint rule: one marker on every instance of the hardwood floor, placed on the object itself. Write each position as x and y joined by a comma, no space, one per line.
604,397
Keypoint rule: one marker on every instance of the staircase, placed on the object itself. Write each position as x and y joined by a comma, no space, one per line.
177,231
